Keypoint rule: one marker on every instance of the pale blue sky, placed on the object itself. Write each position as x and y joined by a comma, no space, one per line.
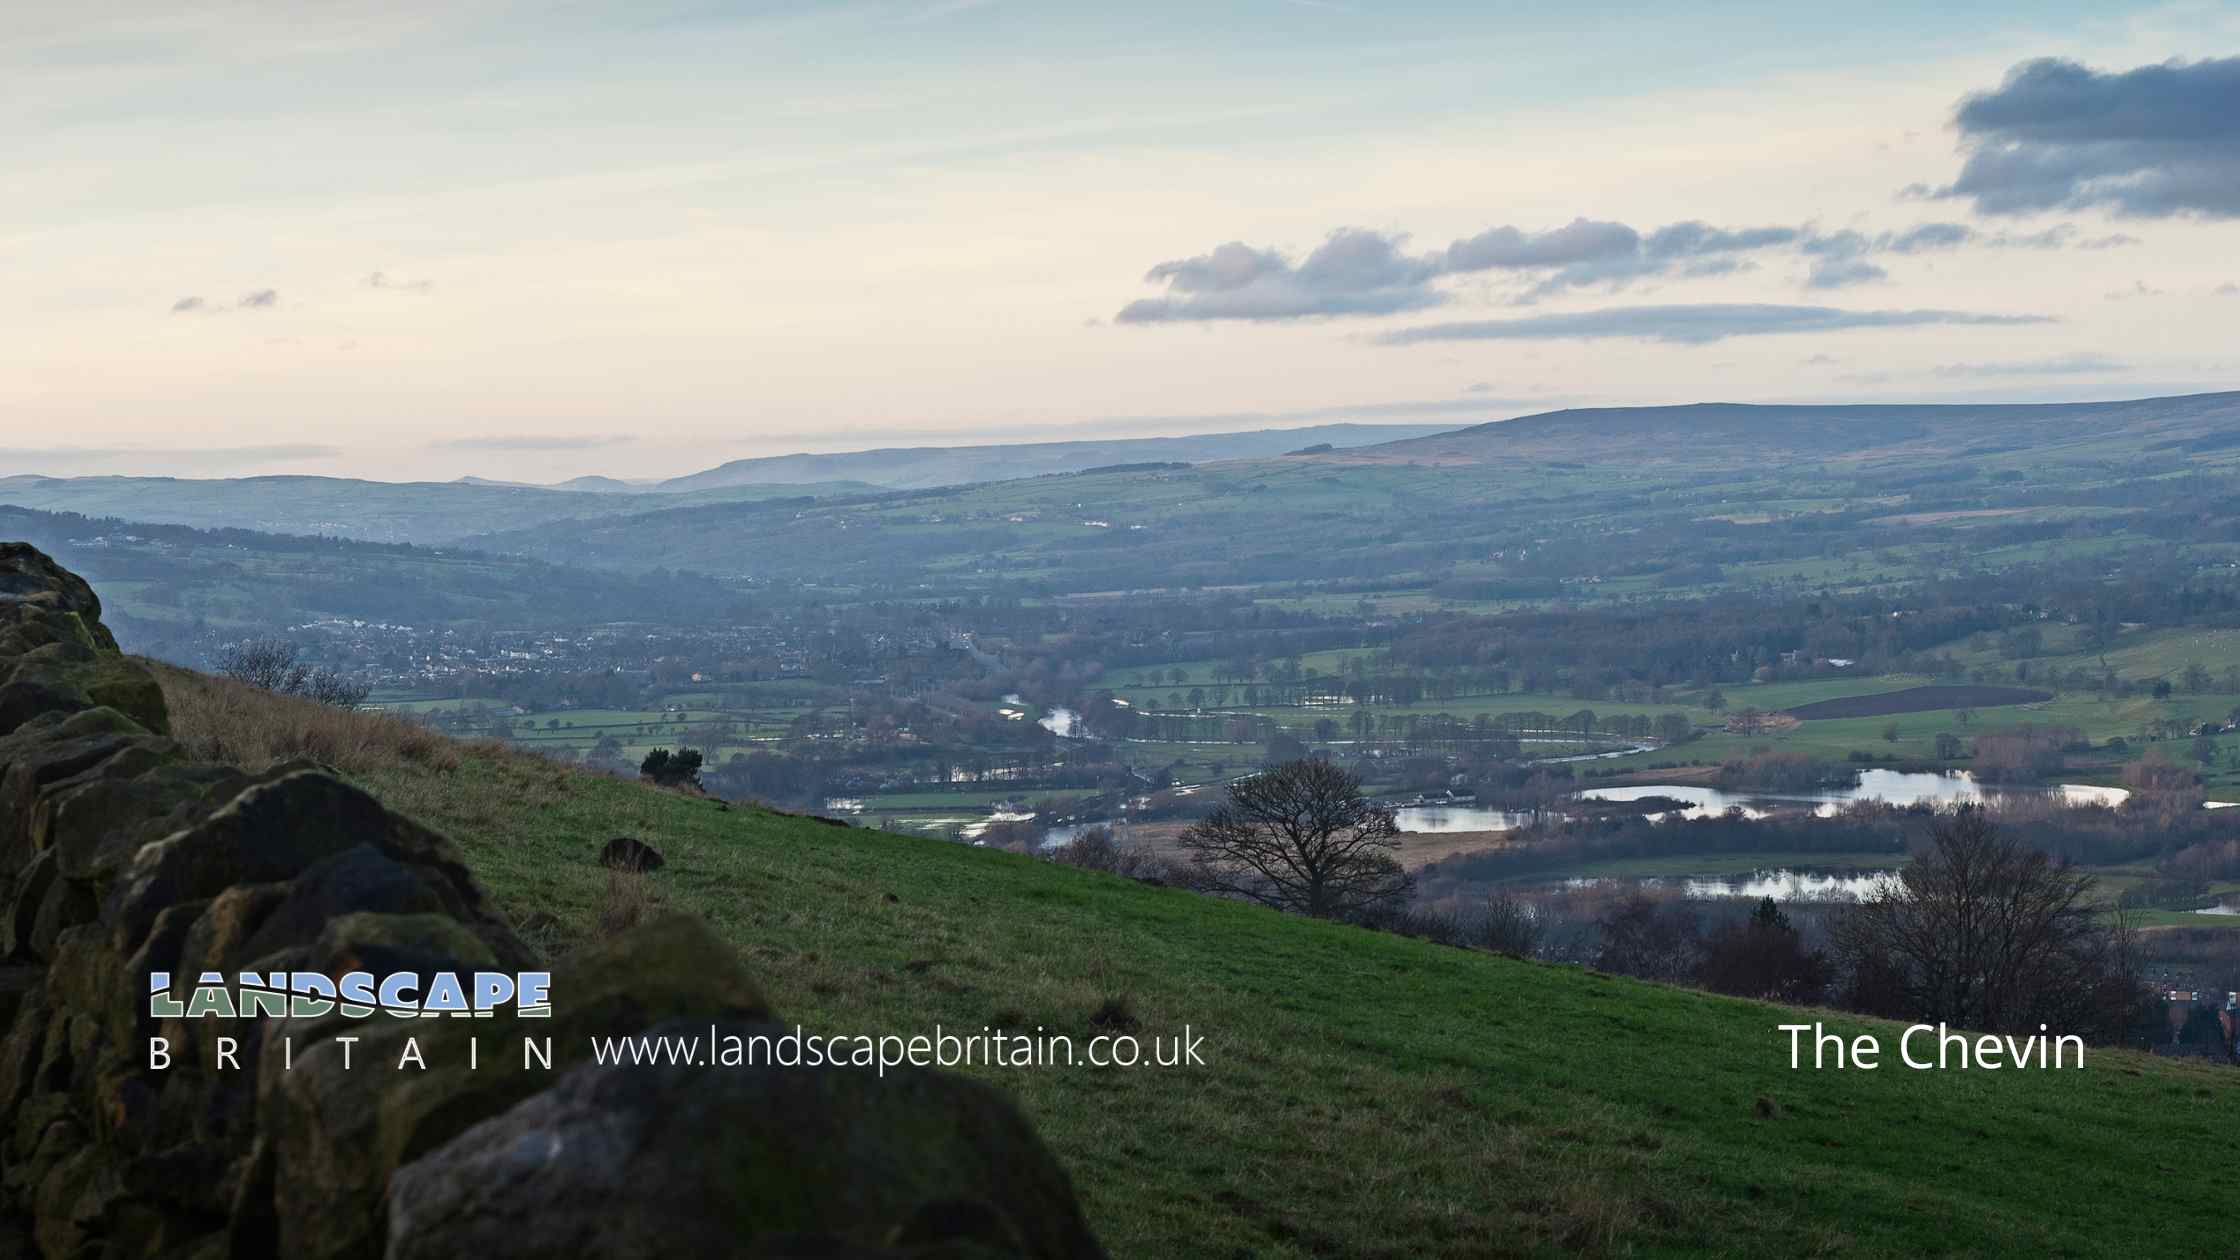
536,241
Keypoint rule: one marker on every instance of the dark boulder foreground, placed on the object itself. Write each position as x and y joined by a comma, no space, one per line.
120,856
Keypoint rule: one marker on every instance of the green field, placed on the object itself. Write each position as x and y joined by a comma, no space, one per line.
2133,719
1365,1094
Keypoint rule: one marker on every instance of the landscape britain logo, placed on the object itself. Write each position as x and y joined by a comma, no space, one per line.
352,995
356,994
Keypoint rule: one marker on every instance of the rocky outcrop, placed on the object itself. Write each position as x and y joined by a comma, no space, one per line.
334,1136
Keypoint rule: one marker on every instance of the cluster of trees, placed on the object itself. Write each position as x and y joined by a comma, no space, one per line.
1762,955
278,665
2027,753
1980,930
664,768
1983,931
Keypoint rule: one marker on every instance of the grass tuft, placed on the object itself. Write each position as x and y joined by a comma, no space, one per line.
629,899
233,723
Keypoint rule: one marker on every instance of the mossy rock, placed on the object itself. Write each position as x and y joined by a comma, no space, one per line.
129,687
274,830
49,751
647,1161
96,821
339,1133
35,590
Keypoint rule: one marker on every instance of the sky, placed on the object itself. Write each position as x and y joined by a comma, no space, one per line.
531,242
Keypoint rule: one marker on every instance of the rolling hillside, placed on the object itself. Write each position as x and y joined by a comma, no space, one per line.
1639,501
1725,434
422,512
433,512
919,467
1360,1094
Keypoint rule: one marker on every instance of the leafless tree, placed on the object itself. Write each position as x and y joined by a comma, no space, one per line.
276,665
1982,931
1513,925
1301,837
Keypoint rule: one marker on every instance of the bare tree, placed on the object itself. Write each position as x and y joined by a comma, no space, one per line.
276,665
1650,938
264,663
1301,837
1513,926
1982,931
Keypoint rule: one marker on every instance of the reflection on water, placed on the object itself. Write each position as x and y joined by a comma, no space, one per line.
1699,800
1445,819
1780,884
1060,836
1892,787
1794,885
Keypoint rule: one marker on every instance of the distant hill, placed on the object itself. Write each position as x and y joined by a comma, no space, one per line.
1371,475
592,484
919,467
603,485
1605,488
342,507
446,512
1719,433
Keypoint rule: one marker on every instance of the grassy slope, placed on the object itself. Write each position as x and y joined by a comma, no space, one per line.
1366,1094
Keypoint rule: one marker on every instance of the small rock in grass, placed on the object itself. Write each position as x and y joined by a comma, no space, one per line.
624,853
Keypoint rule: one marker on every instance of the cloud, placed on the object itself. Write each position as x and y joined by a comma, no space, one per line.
533,442
1929,236
1581,240
2064,365
1839,258
1354,272
1842,273
2055,237
2150,142
254,300
2114,241
1588,252
383,280
1690,324
1357,272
